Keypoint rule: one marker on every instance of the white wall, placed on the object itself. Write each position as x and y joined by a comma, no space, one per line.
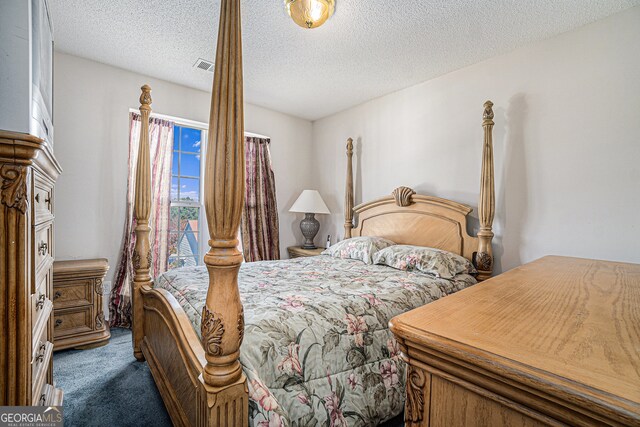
91,110
567,144
15,66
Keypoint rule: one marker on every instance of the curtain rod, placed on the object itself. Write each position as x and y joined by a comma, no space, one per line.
192,123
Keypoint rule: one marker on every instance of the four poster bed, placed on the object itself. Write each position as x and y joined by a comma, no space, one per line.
316,339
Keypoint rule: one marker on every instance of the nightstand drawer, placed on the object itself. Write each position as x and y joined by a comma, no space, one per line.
72,293
298,252
69,321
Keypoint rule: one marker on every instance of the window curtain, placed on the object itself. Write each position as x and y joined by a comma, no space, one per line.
260,233
160,146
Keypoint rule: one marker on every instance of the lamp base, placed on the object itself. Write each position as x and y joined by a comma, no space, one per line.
309,227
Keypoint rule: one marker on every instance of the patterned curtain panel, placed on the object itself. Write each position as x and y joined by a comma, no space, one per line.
260,233
161,143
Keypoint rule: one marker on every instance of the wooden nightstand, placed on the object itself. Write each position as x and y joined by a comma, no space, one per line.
297,252
77,304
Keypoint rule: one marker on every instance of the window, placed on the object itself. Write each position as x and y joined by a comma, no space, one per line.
186,225
188,232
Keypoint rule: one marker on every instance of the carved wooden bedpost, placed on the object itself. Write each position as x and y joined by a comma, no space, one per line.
142,209
486,205
348,194
223,396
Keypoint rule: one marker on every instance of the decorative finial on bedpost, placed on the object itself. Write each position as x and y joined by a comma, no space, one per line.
486,205
145,98
488,112
142,258
348,194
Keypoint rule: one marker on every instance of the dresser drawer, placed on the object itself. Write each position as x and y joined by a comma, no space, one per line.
43,246
40,290
42,199
38,340
74,293
49,396
41,307
40,366
69,321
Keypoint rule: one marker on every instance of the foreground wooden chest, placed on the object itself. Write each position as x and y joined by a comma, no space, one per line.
553,342
77,303
28,172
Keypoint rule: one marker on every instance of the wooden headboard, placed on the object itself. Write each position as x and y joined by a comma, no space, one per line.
423,221
411,219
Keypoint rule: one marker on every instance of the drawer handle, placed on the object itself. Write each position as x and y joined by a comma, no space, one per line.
40,302
58,323
48,201
40,356
42,249
57,295
42,399
37,198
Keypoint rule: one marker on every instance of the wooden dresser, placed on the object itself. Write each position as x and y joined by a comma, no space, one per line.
77,302
28,171
553,342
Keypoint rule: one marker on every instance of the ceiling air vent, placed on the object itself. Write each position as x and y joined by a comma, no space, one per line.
203,64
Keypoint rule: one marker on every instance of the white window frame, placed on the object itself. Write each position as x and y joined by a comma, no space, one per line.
203,230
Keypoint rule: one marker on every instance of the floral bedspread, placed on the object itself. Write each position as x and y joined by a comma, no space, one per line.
317,349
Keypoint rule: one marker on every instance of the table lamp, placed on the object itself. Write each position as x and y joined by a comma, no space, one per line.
310,203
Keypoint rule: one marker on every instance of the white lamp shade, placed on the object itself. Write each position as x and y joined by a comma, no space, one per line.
310,201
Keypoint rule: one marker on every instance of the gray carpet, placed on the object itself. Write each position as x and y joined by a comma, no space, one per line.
107,387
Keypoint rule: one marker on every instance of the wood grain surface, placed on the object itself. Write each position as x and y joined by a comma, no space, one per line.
571,324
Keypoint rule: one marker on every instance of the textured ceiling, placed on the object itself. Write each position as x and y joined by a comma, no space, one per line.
368,49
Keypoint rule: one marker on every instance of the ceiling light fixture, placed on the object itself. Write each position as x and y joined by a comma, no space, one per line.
310,13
